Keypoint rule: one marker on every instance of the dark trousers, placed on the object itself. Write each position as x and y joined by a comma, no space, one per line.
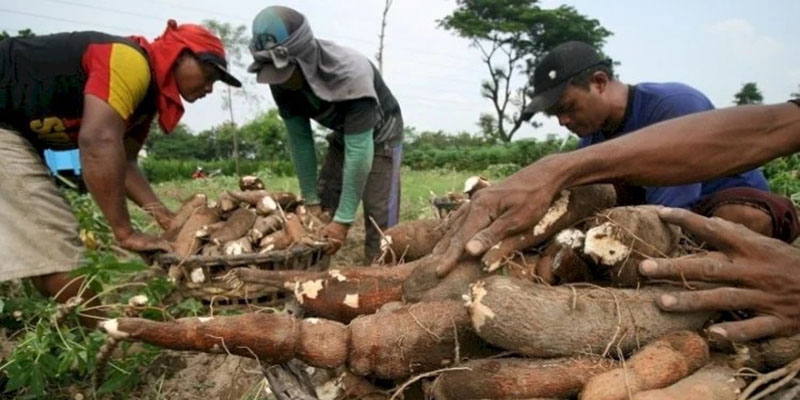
381,199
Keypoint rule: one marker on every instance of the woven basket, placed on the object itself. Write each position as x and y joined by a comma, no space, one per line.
201,275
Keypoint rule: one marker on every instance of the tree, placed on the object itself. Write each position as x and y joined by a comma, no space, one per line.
512,35
796,94
235,40
749,94
27,32
387,4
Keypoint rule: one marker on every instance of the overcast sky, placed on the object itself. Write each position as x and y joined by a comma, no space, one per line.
715,46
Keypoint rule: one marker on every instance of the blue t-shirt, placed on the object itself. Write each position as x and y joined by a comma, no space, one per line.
650,103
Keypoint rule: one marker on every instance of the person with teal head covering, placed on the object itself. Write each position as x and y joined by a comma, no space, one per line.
340,89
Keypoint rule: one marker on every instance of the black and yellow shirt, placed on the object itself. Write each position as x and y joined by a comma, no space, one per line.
43,81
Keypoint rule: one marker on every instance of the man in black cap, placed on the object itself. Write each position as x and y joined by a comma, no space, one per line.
576,84
341,90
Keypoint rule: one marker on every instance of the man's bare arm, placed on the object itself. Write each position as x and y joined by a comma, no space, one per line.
138,188
104,168
693,148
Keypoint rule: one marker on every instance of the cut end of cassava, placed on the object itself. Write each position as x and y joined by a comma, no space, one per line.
197,275
479,312
556,211
111,328
266,205
475,183
572,238
603,247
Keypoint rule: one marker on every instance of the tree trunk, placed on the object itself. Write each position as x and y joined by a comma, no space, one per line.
382,36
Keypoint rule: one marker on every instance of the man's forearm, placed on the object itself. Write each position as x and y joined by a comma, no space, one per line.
359,152
103,161
304,157
690,149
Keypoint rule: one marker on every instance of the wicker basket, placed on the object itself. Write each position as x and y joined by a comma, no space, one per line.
201,275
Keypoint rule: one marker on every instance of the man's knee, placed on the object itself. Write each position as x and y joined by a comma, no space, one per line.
763,212
755,219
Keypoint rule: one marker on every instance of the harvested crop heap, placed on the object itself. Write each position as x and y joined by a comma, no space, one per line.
558,311
249,227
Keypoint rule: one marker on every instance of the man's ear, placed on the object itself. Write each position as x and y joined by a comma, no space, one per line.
600,80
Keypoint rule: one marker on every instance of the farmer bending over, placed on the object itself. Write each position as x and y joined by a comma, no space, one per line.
341,90
99,93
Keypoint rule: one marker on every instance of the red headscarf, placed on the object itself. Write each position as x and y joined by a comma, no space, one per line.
163,53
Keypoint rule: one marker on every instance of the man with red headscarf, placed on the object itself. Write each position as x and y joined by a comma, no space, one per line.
99,93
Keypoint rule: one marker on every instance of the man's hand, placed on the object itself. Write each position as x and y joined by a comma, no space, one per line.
495,213
143,243
161,214
335,233
317,211
757,273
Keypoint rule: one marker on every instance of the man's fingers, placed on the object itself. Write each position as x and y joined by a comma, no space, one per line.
498,230
712,267
749,329
475,220
726,298
714,231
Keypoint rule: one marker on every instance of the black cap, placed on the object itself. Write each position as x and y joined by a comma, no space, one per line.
554,72
221,66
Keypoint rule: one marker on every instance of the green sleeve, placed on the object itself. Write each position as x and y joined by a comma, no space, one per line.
358,153
304,157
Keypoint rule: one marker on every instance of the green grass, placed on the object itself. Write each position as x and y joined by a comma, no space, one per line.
417,188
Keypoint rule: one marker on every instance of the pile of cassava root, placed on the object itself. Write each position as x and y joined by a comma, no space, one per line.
237,229
557,312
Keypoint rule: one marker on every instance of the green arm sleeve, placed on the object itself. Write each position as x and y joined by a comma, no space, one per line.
304,157
358,153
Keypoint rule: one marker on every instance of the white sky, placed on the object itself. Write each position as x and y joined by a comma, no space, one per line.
713,45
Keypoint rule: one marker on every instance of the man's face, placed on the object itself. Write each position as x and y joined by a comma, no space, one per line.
195,78
580,110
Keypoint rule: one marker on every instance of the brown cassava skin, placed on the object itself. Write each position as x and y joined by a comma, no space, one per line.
414,339
523,266
453,286
323,341
237,225
277,240
389,345
226,202
188,208
583,201
287,200
558,321
293,227
561,264
412,240
657,365
270,337
710,383
373,286
264,226
639,228
355,387
186,242
765,355
519,378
